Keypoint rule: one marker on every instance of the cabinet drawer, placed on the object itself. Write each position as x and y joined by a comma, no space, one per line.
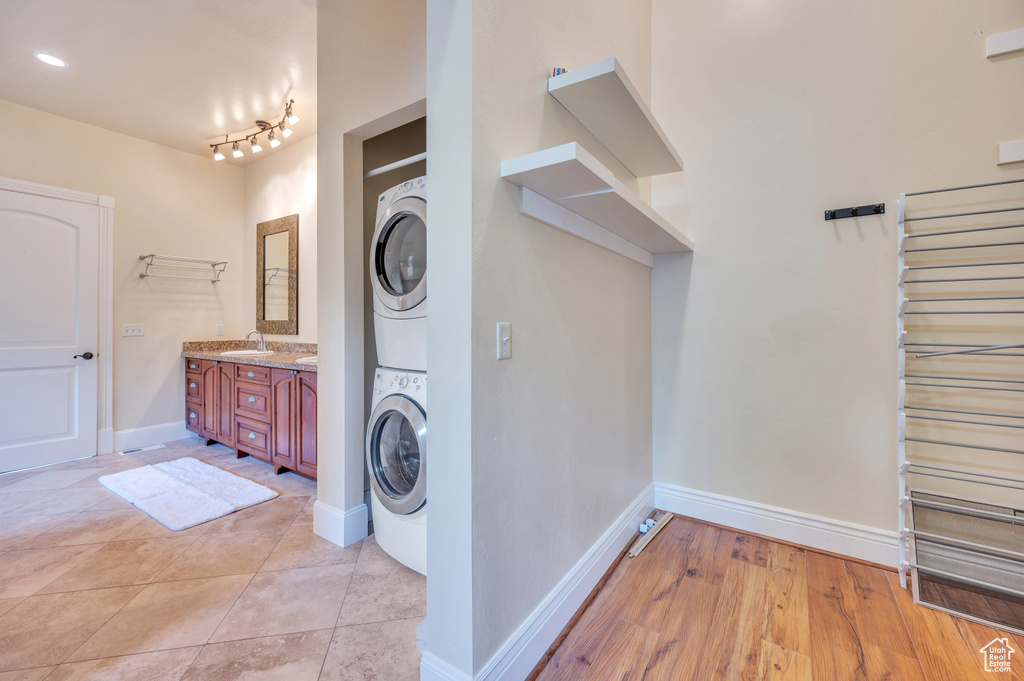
194,388
252,374
253,437
252,401
194,419
195,365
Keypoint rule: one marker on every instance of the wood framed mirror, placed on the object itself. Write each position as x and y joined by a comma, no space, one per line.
277,276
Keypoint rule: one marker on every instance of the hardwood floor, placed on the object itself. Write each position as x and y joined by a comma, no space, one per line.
703,602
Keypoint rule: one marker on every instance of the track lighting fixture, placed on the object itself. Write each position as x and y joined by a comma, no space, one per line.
287,119
60,63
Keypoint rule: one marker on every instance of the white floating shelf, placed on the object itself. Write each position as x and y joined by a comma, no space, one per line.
1004,43
1011,152
567,188
603,99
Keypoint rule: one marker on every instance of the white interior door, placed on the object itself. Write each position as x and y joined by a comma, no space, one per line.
49,281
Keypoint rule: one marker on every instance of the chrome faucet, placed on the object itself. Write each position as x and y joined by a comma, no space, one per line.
261,344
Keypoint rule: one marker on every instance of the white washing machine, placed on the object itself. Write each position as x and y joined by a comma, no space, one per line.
398,273
396,450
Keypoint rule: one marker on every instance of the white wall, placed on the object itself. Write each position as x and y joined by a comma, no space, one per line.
561,432
167,202
774,349
361,79
282,183
449,626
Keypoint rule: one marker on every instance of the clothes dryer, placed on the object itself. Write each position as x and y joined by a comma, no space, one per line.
398,274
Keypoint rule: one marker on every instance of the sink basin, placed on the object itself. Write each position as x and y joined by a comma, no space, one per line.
306,360
247,353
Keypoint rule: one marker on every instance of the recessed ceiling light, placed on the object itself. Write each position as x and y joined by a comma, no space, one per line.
50,59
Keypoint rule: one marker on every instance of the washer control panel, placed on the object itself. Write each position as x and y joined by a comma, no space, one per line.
390,382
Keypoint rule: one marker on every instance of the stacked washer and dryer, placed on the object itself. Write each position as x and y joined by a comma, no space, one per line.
396,435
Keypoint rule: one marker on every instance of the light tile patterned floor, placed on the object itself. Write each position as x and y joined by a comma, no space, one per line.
92,588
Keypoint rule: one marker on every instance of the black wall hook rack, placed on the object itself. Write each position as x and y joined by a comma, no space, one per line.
856,211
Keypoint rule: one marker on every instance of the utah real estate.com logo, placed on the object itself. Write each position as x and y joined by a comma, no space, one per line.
997,655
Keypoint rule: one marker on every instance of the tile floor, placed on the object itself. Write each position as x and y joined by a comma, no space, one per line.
92,588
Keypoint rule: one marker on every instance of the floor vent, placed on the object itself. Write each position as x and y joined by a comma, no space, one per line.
140,449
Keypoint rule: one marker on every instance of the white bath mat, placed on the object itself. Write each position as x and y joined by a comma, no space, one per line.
185,492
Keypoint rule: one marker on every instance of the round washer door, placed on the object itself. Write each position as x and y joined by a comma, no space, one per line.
398,256
396,449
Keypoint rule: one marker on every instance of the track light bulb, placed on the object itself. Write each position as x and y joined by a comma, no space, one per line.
217,156
274,142
256,145
293,119
235,151
285,131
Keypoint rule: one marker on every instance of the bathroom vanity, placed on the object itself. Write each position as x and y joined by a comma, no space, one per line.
261,405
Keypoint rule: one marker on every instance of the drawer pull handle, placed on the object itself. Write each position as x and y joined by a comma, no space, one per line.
191,385
191,414
252,435
251,374
251,398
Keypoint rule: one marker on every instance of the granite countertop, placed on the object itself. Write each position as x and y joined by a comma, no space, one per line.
284,356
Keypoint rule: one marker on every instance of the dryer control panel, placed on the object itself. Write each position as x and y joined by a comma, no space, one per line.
416,187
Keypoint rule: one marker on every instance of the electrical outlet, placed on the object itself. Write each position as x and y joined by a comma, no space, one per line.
133,329
220,329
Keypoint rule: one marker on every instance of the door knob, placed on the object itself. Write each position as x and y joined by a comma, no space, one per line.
84,355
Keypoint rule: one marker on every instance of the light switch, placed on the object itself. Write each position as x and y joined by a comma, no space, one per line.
220,329
504,340
133,329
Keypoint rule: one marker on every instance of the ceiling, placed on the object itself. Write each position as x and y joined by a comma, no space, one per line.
182,73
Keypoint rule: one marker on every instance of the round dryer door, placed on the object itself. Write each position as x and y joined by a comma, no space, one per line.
396,449
398,257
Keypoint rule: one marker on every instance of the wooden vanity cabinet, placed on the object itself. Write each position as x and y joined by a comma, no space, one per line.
194,396
251,399
266,413
218,407
293,412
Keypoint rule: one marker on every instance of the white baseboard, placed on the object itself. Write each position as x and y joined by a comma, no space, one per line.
857,541
524,648
435,669
343,528
104,441
149,435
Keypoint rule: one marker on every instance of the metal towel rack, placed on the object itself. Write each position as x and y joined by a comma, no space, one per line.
211,268
957,406
273,276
